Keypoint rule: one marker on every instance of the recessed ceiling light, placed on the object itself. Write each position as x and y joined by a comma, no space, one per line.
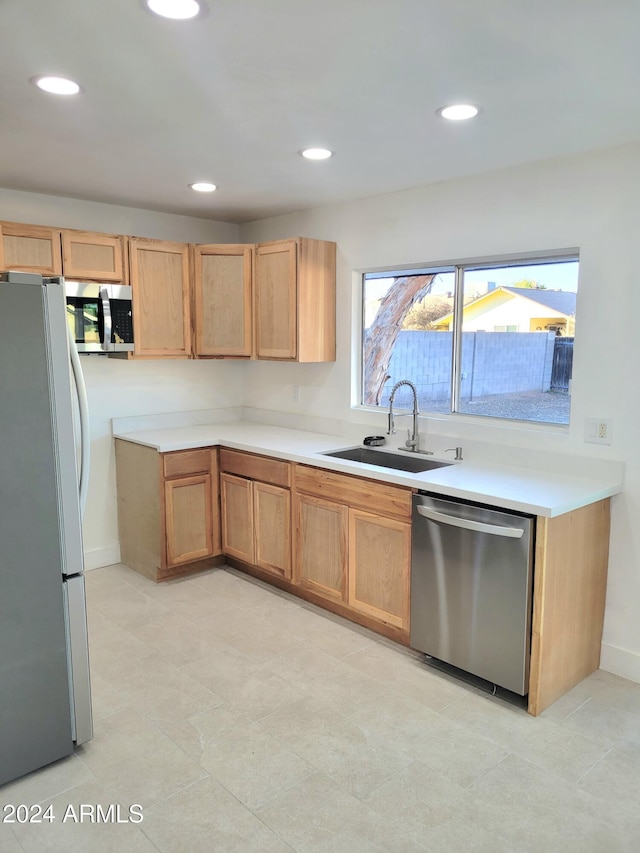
56,85
179,10
317,153
458,112
203,187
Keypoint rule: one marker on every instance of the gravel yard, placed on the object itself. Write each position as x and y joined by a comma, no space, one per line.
544,406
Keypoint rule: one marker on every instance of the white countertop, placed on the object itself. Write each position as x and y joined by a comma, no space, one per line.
537,492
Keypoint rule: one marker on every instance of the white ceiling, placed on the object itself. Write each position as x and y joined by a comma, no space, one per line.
233,96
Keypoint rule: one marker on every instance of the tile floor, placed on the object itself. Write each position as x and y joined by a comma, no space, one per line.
241,719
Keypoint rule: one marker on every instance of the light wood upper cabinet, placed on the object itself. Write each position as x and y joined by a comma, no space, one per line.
98,257
222,296
159,275
295,300
379,563
30,248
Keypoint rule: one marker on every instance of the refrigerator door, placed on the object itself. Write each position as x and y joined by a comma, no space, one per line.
40,530
78,656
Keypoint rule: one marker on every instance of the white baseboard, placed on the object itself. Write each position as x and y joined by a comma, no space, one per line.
98,557
620,662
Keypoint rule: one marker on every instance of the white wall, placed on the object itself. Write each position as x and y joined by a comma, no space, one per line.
118,388
588,202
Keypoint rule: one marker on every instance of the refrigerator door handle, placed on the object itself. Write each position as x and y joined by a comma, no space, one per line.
468,524
83,410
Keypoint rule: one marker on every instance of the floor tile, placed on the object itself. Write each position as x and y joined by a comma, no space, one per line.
78,824
206,818
135,762
242,718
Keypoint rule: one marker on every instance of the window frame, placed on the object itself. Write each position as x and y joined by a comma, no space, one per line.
555,256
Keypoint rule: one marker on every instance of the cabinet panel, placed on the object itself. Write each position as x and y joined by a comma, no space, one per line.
87,255
160,282
237,517
321,546
30,248
272,519
275,300
222,300
379,567
357,492
187,462
267,470
188,519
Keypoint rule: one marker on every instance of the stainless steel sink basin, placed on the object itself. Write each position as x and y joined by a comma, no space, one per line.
414,464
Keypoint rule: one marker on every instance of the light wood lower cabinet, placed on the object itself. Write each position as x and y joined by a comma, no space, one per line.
353,546
256,511
236,495
272,525
168,509
321,546
379,567
188,502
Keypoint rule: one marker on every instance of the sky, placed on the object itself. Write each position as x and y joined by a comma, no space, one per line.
557,276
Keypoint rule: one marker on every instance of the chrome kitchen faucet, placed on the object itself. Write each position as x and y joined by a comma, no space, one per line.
412,444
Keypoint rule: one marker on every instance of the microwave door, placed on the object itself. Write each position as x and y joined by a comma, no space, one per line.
84,316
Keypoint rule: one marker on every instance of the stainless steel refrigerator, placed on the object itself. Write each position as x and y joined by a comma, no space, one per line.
45,699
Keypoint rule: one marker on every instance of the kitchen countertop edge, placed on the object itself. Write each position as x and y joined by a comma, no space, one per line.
540,493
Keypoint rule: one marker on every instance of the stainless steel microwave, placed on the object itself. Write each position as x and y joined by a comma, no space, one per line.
100,316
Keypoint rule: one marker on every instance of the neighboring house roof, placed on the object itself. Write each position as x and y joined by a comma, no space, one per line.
563,301
558,301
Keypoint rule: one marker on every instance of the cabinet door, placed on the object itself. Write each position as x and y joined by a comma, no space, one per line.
272,525
86,255
160,283
188,516
379,567
30,248
321,546
237,517
222,300
276,301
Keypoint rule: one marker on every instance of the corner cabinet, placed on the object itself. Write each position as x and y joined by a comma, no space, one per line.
222,296
295,300
159,275
256,511
168,509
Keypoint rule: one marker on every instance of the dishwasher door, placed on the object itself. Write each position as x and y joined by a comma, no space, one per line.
471,588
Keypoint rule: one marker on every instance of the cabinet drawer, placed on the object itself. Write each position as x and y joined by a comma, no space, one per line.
267,470
187,462
356,492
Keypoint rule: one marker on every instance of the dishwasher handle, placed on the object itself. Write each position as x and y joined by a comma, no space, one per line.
468,524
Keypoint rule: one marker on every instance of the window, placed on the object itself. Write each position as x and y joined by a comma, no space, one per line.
490,339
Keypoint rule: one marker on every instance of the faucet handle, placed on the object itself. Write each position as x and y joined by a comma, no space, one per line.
458,452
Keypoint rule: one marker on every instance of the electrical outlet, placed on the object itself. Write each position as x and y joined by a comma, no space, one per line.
598,430
296,393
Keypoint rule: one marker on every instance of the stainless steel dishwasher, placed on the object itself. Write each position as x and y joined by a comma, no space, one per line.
471,588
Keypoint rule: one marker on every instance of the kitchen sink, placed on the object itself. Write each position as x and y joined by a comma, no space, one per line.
387,460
